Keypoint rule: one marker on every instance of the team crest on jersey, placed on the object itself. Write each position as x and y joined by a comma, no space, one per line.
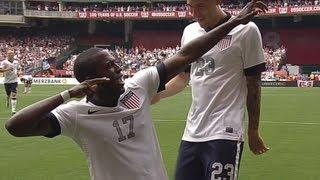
130,100
205,66
225,42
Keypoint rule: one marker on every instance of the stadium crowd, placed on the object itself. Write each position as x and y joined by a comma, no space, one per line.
278,70
134,59
93,7
31,50
163,7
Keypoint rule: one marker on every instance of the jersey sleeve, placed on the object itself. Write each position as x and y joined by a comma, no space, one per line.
65,115
183,39
253,57
152,79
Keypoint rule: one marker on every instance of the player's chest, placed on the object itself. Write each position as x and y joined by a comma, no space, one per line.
117,128
225,56
13,65
130,120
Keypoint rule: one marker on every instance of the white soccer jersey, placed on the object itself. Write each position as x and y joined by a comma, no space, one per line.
28,77
10,76
218,84
120,143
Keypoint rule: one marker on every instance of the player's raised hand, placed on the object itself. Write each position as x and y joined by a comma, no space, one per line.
250,10
86,87
256,143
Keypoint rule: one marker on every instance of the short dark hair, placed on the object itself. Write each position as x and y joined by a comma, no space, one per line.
86,63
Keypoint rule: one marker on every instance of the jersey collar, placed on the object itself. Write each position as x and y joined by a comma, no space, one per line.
225,19
108,109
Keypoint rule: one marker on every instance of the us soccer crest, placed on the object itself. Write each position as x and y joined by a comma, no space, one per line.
225,42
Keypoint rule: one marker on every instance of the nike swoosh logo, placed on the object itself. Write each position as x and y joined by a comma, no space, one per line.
93,111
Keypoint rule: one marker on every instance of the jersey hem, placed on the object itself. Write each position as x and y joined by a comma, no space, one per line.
257,63
191,139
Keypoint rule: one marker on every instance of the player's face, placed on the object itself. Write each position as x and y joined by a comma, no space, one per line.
10,56
108,68
203,11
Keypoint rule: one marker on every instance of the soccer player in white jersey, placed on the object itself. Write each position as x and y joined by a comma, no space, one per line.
223,81
27,80
10,69
112,123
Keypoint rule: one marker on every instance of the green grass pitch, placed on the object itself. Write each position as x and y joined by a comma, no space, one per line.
290,126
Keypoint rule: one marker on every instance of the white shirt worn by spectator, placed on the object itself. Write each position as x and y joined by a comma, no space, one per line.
119,142
219,88
10,76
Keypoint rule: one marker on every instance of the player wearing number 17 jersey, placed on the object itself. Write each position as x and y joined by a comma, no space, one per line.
112,124
119,142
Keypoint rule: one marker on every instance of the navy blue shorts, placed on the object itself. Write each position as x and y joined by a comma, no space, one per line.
216,159
11,87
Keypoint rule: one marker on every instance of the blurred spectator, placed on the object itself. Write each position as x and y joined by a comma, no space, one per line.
274,60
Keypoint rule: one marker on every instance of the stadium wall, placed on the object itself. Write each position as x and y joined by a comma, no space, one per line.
50,81
156,39
302,44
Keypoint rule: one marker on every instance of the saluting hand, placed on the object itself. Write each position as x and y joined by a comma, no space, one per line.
87,87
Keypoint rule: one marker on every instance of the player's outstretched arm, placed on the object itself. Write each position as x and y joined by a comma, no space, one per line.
33,120
199,46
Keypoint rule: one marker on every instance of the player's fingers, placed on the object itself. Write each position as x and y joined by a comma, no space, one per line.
256,152
250,15
93,88
98,81
261,6
253,2
266,149
263,149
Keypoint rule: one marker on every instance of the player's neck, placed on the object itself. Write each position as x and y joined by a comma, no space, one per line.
219,17
107,101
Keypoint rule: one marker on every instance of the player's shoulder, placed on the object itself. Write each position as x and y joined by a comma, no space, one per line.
193,27
250,27
142,79
5,61
75,104
245,30
144,73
